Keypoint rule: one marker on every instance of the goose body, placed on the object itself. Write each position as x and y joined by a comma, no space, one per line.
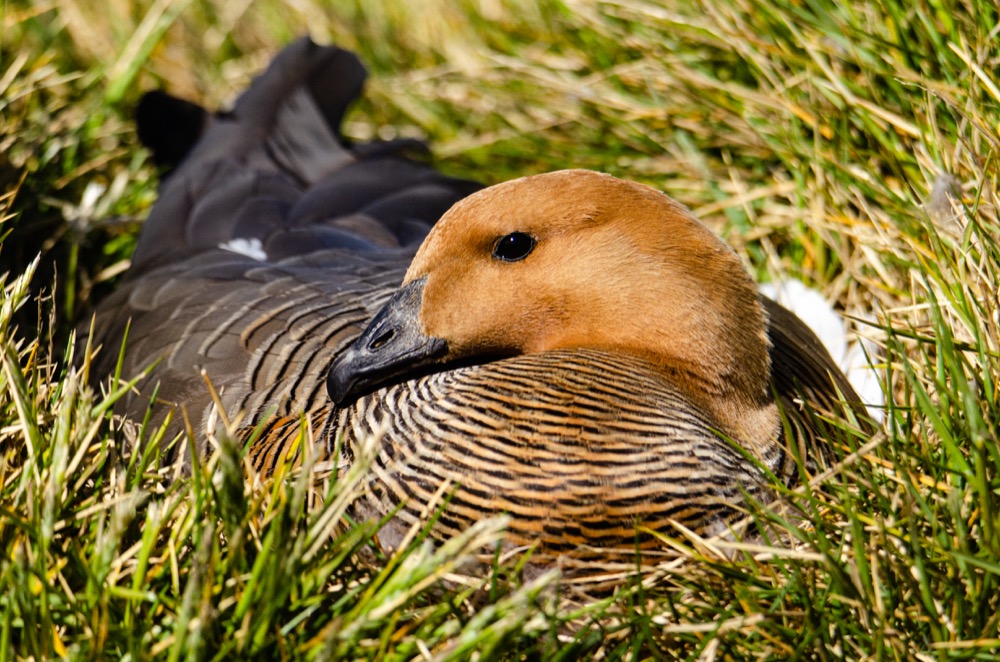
623,375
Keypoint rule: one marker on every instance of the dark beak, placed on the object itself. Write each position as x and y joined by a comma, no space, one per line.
391,346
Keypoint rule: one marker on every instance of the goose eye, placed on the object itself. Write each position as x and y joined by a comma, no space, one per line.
513,247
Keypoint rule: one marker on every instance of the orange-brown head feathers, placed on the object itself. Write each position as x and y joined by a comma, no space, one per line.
576,259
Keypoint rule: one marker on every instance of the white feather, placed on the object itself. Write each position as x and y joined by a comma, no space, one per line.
249,247
846,346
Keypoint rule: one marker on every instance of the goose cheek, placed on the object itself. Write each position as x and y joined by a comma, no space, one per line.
391,347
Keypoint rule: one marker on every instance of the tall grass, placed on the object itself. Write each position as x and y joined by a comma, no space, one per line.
851,145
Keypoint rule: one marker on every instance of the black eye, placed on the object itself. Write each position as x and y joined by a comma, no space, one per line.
513,247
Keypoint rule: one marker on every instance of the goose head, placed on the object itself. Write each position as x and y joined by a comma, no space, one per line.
576,259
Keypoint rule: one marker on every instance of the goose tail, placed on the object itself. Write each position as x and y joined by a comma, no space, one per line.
274,176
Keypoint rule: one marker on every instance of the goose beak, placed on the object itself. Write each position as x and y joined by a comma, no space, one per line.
392,345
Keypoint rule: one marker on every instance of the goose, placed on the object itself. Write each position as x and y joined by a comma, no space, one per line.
573,350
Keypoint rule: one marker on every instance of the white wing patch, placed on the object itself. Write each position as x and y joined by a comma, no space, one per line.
847,346
249,247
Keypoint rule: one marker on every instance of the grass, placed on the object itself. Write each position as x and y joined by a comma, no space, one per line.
851,145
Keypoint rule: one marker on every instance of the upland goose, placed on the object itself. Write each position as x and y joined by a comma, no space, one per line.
571,349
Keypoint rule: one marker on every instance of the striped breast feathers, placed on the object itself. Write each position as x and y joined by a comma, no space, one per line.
578,260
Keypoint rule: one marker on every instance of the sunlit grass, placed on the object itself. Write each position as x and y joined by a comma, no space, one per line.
851,145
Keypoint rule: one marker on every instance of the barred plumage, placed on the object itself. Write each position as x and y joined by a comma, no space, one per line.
273,244
579,447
